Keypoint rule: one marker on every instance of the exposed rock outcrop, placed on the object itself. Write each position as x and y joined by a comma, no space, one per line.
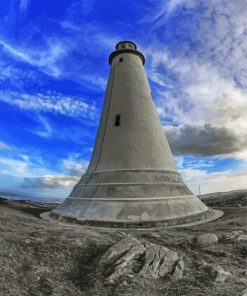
130,256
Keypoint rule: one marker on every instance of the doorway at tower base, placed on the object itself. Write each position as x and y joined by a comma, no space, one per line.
135,213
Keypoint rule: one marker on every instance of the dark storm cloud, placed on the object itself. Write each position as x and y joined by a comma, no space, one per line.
206,140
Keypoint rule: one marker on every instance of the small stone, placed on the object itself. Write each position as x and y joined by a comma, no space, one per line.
78,242
130,276
222,275
244,292
168,263
179,268
207,239
216,272
242,237
233,235
155,234
39,240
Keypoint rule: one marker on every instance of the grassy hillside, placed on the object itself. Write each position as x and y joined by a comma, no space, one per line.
237,198
39,258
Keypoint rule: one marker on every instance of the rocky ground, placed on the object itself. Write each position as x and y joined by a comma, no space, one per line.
41,258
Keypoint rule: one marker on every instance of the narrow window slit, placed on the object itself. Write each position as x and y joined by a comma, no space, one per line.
117,120
120,60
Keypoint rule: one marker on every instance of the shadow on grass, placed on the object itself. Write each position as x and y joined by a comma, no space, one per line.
84,273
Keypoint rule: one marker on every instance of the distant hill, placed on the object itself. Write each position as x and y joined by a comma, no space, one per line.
4,193
236,198
28,198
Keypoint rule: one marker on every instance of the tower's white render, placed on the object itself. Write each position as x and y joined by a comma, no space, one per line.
131,180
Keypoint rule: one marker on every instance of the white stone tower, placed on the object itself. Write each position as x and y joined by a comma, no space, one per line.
131,180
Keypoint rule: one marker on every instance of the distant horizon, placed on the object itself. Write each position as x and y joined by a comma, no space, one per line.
54,70
53,199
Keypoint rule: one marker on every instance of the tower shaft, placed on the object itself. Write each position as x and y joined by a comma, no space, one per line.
137,141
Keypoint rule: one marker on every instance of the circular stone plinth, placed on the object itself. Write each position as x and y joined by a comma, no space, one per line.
209,216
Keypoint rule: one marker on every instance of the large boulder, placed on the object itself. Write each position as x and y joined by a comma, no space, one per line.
207,239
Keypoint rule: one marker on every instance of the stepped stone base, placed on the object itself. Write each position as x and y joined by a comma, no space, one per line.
132,199
134,213
209,216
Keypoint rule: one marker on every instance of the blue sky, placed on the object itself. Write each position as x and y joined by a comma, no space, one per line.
53,74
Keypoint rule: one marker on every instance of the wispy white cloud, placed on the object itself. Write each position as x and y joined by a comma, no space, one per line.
51,102
74,165
70,25
95,80
49,182
202,86
35,175
203,99
45,131
4,146
46,58
214,182
207,91
87,6
54,130
54,59
73,168
21,166
35,171
197,172
24,4
86,36
13,74
171,5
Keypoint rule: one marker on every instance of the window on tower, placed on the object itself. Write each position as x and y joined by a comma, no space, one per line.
120,60
123,46
117,120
